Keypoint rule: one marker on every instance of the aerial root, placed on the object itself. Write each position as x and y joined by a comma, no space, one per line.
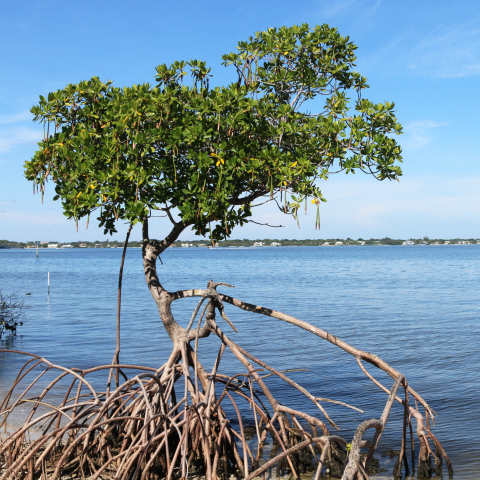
171,422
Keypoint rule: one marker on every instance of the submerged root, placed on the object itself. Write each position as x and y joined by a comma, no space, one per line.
171,422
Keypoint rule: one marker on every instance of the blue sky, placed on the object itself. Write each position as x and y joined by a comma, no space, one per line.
425,56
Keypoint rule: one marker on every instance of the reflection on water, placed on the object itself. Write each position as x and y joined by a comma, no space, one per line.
416,307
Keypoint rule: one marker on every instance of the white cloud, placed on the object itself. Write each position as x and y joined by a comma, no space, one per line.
436,206
19,136
448,51
335,8
15,117
332,8
360,10
419,133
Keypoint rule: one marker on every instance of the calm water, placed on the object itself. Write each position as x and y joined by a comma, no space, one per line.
416,307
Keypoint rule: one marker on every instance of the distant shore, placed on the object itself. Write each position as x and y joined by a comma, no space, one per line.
259,243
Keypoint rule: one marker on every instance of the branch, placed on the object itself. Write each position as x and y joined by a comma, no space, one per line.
167,209
368,357
266,224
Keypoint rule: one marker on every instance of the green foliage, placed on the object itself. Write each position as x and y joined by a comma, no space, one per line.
208,153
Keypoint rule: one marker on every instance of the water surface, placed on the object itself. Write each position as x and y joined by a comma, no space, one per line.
417,307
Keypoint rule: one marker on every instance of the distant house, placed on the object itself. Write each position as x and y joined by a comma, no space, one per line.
446,242
478,242
67,246
275,244
82,245
53,245
424,243
361,242
326,244
338,244
258,244
408,242
186,245
463,242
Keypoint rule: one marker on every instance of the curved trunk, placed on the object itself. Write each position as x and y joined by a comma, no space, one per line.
151,250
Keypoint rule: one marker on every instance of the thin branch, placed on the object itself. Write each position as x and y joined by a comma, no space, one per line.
266,224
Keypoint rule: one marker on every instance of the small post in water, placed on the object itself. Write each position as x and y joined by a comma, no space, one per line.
37,248
49,283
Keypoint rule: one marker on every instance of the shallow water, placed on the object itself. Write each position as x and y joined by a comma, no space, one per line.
415,306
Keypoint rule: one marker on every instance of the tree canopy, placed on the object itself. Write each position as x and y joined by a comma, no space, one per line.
206,153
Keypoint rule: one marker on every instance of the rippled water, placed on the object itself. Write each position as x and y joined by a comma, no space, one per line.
416,307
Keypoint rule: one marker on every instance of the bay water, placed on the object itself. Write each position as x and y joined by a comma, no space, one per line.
417,307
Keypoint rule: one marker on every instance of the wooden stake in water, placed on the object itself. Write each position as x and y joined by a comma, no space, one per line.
49,283
37,249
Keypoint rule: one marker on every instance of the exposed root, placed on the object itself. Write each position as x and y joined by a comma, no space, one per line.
170,422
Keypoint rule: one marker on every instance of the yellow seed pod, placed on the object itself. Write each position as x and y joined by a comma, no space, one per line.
293,164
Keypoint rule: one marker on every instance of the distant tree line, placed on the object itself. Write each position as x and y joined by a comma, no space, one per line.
245,242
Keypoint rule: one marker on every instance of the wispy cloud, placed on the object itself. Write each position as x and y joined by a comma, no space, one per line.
419,133
15,117
375,7
448,51
340,7
438,206
19,136
333,8
11,218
